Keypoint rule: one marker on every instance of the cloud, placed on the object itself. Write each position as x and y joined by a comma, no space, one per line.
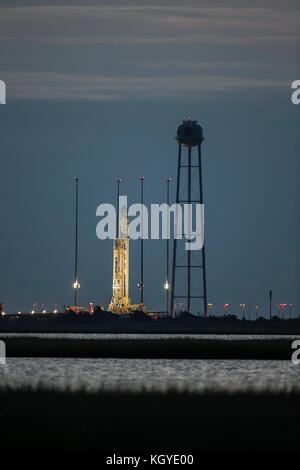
202,39
103,88
118,50
148,24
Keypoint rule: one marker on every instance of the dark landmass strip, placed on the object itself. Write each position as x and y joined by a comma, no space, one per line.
145,421
140,323
171,348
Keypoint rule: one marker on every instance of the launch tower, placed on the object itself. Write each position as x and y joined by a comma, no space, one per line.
120,291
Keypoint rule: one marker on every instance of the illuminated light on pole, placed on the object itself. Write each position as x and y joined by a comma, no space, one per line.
290,310
76,284
242,307
91,308
226,308
210,307
166,286
282,308
141,283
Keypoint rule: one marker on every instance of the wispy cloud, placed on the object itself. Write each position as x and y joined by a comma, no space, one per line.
120,50
100,88
203,39
148,24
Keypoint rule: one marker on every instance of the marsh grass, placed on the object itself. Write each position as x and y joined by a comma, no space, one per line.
48,419
177,348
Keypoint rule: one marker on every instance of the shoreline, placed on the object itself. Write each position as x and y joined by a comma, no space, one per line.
141,324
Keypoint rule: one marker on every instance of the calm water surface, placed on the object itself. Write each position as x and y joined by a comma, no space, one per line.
142,336
150,374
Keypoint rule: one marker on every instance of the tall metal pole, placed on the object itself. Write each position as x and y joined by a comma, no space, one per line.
175,239
142,243
203,249
76,242
271,296
189,223
168,253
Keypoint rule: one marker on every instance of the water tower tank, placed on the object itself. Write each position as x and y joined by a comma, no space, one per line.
189,133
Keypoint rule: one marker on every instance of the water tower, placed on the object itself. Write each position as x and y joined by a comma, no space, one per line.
189,291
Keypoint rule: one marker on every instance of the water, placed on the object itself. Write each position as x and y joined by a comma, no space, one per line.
150,374
143,336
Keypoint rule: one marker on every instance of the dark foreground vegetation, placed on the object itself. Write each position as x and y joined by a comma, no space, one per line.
139,322
145,421
171,348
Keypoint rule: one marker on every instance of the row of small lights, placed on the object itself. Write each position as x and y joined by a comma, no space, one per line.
32,312
242,306
226,306
44,311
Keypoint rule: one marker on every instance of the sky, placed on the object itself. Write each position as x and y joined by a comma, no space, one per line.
96,90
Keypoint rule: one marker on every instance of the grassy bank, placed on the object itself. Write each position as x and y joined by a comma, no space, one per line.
145,421
279,349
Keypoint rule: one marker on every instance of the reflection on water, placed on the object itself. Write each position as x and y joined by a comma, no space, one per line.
150,374
142,336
